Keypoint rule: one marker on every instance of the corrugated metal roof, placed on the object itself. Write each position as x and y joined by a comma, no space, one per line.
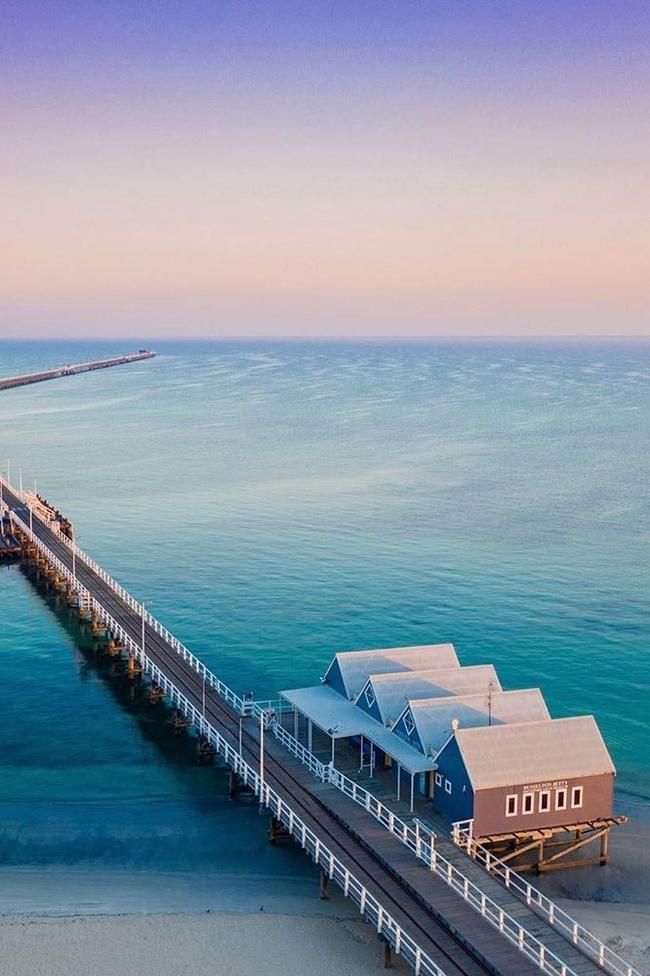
338,717
533,752
356,666
392,691
433,717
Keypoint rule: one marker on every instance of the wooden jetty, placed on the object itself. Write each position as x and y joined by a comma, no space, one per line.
72,370
422,905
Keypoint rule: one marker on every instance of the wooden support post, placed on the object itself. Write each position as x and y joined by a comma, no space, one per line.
237,787
545,864
276,830
180,722
324,886
205,752
604,846
388,955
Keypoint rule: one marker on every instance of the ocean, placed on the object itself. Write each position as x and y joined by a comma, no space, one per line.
279,502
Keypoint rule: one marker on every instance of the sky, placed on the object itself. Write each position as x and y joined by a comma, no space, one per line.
352,168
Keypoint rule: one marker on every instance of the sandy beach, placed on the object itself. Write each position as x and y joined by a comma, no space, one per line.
243,943
625,928
86,922
76,922
176,945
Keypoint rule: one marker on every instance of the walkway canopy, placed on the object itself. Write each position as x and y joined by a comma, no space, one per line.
340,719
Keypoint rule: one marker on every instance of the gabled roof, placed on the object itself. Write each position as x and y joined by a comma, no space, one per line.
340,719
433,718
392,691
356,666
533,752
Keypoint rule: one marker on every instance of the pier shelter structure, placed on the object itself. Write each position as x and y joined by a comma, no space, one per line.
493,763
346,706
324,709
519,786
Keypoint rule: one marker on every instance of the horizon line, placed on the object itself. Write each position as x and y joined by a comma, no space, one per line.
577,337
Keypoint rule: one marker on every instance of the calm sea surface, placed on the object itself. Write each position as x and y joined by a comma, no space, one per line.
278,503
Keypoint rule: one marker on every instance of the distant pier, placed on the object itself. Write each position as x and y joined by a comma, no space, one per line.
71,370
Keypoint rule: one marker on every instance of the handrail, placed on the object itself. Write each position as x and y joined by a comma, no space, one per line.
335,869
590,944
412,837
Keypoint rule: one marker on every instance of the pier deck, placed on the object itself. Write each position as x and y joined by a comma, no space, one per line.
451,937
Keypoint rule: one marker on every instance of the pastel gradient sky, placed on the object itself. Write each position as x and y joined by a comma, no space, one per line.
363,167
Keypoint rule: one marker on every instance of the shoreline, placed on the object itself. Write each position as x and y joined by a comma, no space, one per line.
77,908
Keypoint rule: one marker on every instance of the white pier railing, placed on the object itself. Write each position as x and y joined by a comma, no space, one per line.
369,906
586,941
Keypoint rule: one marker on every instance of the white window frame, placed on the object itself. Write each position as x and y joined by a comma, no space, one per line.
547,794
515,797
565,790
448,786
438,779
581,791
531,797
369,695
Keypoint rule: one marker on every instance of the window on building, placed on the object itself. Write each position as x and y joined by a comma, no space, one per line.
528,804
438,779
511,805
369,696
560,799
544,801
409,724
576,796
447,786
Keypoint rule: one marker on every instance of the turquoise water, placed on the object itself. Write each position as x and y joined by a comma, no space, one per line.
279,502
